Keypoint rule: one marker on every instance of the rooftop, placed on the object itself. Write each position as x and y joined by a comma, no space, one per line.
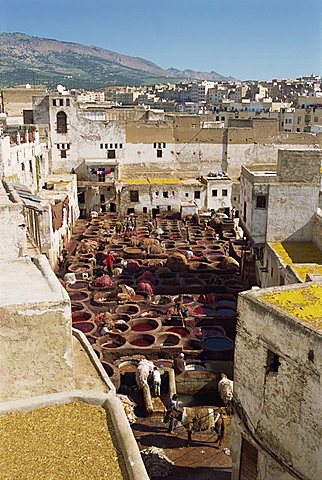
80,434
302,257
304,303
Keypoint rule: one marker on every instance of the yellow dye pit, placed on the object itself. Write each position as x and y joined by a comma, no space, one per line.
303,303
297,252
71,441
302,270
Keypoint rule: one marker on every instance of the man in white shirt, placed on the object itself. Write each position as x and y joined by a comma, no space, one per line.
156,382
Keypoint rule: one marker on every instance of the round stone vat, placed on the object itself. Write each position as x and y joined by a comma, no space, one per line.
194,345
196,366
225,312
111,341
81,317
129,309
185,299
79,285
124,317
88,328
142,340
145,325
181,331
113,374
77,307
219,348
168,340
79,267
79,296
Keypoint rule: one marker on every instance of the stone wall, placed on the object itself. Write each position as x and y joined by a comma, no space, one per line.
36,337
283,409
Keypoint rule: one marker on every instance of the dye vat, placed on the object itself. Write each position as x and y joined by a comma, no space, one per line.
128,366
111,341
80,296
225,312
128,309
219,348
203,310
81,317
78,286
181,331
168,340
142,341
144,325
195,367
226,303
197,400
77,307
85,327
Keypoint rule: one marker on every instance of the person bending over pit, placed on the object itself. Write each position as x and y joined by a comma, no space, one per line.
179,364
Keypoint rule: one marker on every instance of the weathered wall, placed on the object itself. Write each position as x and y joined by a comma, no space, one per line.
284,409
317,230
35,336
291,210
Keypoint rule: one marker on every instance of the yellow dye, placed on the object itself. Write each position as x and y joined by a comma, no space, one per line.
297,252
303,303
152,181
303,270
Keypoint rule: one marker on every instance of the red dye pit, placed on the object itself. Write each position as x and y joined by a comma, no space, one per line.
141,342
180,331
143,327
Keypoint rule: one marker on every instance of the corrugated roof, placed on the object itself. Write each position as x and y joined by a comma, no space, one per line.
27,197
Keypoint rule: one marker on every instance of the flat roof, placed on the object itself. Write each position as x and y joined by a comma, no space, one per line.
17,278
302,257
67,441
304,303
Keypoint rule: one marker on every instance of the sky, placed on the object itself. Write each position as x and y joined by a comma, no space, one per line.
247,39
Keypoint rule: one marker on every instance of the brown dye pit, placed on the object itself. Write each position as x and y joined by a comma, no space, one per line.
142,341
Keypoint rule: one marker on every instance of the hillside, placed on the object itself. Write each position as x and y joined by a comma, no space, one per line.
28,59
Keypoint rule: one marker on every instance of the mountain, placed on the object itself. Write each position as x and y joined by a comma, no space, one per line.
36,60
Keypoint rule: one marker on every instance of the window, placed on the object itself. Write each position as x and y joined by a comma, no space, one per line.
261,201
187,194
165,195
169,208
272,271
121,145
159,153
23,167
81,197
67,102
54,103
106,146
197,194
63,154
298,129
225,193
316,119
61,118
159,145
154,145
156,194
134,195
272,362
111,145
111,154
214,193
61,102
68,146
145,210
101,145
58,146
245,211
30,166
102,198
115,145
164,145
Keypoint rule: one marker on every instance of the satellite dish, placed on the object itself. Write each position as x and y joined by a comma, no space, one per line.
28,85
60,88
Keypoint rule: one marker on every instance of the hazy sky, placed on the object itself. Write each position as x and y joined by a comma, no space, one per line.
248,39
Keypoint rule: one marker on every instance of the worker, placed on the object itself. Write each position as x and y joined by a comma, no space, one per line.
173,412
118,227
189,254
179,364
156,382
109,262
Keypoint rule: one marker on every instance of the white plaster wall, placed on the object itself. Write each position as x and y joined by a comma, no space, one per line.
317,230
291,209
284,409
35,337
